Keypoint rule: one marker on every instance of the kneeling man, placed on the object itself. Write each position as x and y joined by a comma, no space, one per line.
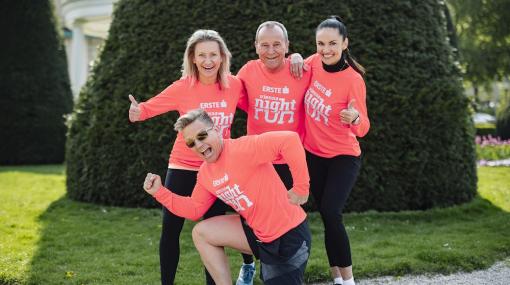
270,223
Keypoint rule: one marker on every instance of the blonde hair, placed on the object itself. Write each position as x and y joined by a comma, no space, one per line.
190,69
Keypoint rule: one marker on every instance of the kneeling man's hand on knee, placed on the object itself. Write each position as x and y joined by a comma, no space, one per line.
295,198
152,183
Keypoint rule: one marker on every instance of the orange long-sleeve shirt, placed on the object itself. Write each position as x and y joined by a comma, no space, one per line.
328,94
244,178
274,100
183,96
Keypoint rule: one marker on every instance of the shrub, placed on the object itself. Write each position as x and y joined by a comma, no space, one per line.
503,119
34,85
485,129
419,153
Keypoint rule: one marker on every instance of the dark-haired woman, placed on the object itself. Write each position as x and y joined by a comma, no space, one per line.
336,114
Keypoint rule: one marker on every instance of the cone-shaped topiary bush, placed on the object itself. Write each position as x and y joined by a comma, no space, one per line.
418,154
34,85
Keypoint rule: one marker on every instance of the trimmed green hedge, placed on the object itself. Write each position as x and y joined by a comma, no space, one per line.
418,154
485,129
34,85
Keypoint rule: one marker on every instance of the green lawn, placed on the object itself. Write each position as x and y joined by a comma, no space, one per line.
46,238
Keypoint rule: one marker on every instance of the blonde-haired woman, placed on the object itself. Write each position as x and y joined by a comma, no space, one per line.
206,83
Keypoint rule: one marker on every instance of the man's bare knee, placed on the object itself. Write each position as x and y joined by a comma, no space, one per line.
198,232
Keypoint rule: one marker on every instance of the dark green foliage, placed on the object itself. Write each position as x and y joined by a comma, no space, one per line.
420,151
486,130
418,154
484,34
503,119
34,85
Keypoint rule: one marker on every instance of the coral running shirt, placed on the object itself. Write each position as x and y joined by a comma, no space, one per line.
184,95
274,100
244,178
328,94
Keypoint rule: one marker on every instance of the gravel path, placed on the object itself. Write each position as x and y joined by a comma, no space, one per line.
498,274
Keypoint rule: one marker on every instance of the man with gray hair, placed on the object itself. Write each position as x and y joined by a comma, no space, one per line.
274,100
239,172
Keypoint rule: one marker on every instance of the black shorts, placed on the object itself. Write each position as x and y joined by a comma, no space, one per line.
282,261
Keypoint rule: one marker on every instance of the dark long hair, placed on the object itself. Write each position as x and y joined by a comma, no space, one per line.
336,23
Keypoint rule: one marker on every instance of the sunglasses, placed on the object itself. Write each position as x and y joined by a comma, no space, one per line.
202,135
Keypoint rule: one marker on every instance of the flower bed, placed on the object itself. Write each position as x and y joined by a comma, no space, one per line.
492,151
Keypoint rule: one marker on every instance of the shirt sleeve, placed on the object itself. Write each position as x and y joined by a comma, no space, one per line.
309,59
358,93
192,208
268,147
164,102
243,99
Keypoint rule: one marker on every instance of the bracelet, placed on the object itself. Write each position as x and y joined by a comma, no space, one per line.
357,117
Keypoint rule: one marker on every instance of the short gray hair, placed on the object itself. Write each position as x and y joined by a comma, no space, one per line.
271,25
190,117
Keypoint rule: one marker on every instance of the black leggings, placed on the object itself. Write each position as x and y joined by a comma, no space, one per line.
285,175
181,182
331,182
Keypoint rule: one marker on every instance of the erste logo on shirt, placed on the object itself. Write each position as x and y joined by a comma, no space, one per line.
219,181
221,120
322,88
212,105
276,90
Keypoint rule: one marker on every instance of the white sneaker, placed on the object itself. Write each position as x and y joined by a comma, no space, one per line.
246,274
